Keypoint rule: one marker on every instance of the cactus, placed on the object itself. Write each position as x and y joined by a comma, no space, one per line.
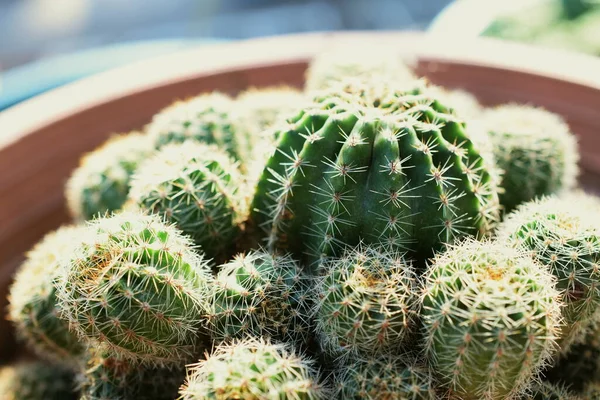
135,285
261,295
462,102
535,149
367,302
562,233
197,187
34,380
491,316
547,391
101,182
253,369
32,299
205,118
383,378
107,377
398,169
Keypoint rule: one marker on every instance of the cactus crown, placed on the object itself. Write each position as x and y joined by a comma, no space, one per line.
366,302
134,284
252,369
491,316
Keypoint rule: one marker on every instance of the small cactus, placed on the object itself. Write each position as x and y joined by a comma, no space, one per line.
366,302
535,149
548,391
260,294
101,182
252,369
383,378
34,380
32,299
491,316
135,285
196,187
562,234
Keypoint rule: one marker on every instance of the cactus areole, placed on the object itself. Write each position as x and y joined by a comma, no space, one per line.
392,167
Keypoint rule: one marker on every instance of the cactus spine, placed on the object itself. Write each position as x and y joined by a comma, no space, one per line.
490,316
134,285
33,380
548,391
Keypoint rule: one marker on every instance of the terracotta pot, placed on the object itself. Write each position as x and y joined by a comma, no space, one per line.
42,139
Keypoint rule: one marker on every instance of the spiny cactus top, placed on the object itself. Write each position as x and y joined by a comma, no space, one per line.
491,316
205,118
135,285
463,103
253,369
32,380
563,234
359,164
535,149
383,378
32,299
197,187
101,182
260,294
366,302
548,391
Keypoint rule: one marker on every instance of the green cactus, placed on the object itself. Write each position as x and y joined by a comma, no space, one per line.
253,369
367,303
101,182
562,234
535,149
464,104
32,299
135,285
34,380
199,189
548,391
357,165
260,294
106,377
383,378
491,316
205,118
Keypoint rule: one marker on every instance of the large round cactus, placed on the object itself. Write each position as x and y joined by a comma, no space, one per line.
135,285
252,369
102,181
362,164
32,298
366,303
197,187
31,380
491,316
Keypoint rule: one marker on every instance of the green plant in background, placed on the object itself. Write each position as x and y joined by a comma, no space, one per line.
135,285
253,369
383,378
562,234
535,149
548,391
366,303
260,294
33,380
101,182
491,317
362,163
199,189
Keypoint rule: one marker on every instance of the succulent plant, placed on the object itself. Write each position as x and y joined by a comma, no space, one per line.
253,369
101,182
32,298
367,302
491,316
198,188
356,165
535,149
135,285
383,378
548,391
563,234
34,380
464,104
260,294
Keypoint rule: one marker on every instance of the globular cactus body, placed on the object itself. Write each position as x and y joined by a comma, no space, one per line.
32,380
397,168
491,316
134,285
